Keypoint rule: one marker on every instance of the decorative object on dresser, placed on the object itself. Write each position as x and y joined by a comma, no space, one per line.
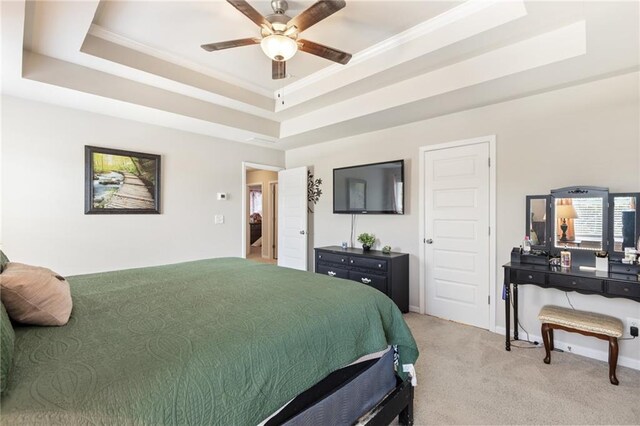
388,273
367,240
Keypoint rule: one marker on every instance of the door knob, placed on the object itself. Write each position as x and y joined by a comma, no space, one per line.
429,241
301,232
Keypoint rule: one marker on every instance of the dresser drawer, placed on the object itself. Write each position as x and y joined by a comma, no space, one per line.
332,271
333,258
623,289
530,277
576,283
375,281
361,262
621,268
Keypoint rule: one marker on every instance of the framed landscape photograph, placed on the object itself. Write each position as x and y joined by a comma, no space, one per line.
121,182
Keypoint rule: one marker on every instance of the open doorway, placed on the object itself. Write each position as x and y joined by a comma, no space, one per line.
260,213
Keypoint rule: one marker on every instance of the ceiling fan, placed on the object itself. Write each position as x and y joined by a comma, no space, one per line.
279,33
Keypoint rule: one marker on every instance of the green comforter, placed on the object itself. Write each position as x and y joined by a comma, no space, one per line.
222,341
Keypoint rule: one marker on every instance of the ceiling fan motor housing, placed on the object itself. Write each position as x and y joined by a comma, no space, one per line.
278,23
279,6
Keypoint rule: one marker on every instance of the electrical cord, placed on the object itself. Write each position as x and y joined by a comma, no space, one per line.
569,300
525,331
627,338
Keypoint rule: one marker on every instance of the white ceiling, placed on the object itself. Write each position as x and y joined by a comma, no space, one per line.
356,27
412,60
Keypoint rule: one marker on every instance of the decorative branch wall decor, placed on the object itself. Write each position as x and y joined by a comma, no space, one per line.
313,190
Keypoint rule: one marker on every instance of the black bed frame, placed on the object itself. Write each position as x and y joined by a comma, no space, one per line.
398,402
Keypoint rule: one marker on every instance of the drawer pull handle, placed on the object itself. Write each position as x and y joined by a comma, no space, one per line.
341,260
530,277
320,257
351,260
331,274
379,265
574,283
626,289
366,280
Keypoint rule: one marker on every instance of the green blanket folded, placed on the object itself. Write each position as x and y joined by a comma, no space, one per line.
222,341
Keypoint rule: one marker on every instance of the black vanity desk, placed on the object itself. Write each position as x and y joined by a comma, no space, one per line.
605,284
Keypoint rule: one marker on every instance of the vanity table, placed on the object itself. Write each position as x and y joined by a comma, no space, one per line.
583,221
606,284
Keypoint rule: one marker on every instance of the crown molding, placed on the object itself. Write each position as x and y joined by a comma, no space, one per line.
105,34
456,14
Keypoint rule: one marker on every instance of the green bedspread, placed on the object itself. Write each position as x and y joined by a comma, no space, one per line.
222,341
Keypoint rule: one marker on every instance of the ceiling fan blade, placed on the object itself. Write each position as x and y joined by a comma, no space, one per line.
278,70
211,47
316,13
247,10
326,52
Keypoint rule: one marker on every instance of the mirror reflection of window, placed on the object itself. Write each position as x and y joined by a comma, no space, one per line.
537,221
579,223
624,223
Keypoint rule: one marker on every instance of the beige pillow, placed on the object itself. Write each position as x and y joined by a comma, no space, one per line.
34,295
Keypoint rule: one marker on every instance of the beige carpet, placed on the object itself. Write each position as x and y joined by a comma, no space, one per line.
466,377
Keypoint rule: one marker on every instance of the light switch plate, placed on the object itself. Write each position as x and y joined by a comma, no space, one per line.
219,219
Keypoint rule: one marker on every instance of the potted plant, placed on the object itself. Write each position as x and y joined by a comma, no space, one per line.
367,240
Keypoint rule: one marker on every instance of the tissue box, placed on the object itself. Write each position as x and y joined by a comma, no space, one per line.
602,264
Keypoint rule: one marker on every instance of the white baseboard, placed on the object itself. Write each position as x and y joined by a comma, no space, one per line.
600,355
415,309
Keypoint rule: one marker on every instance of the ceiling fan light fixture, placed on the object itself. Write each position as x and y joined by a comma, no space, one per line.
279,47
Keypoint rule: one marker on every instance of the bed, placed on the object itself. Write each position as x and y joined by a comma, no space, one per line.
219,341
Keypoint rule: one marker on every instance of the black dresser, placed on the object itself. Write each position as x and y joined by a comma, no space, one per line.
388,273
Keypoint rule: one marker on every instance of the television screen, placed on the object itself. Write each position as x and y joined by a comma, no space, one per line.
369,189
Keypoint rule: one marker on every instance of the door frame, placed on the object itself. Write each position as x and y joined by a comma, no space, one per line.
493,267
243,223
273,185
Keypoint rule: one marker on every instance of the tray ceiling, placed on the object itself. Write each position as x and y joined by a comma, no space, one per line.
358,26
412,60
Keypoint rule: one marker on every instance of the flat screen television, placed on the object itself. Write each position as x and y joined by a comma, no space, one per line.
369,189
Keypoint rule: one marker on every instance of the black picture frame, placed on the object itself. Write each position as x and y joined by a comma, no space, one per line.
133,192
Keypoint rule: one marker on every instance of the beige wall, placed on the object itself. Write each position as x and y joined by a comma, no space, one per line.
264,177
43,220
595,124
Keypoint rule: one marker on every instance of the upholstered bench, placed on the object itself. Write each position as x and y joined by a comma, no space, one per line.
587,323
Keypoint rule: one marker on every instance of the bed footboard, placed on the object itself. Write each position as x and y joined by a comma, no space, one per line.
397,403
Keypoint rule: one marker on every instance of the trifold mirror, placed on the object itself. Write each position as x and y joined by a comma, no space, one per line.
584,219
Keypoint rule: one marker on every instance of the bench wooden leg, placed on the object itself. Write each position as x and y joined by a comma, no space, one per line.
546,334
551,345
613,359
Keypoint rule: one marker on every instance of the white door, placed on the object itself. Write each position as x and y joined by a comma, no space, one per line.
456,184
292,218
